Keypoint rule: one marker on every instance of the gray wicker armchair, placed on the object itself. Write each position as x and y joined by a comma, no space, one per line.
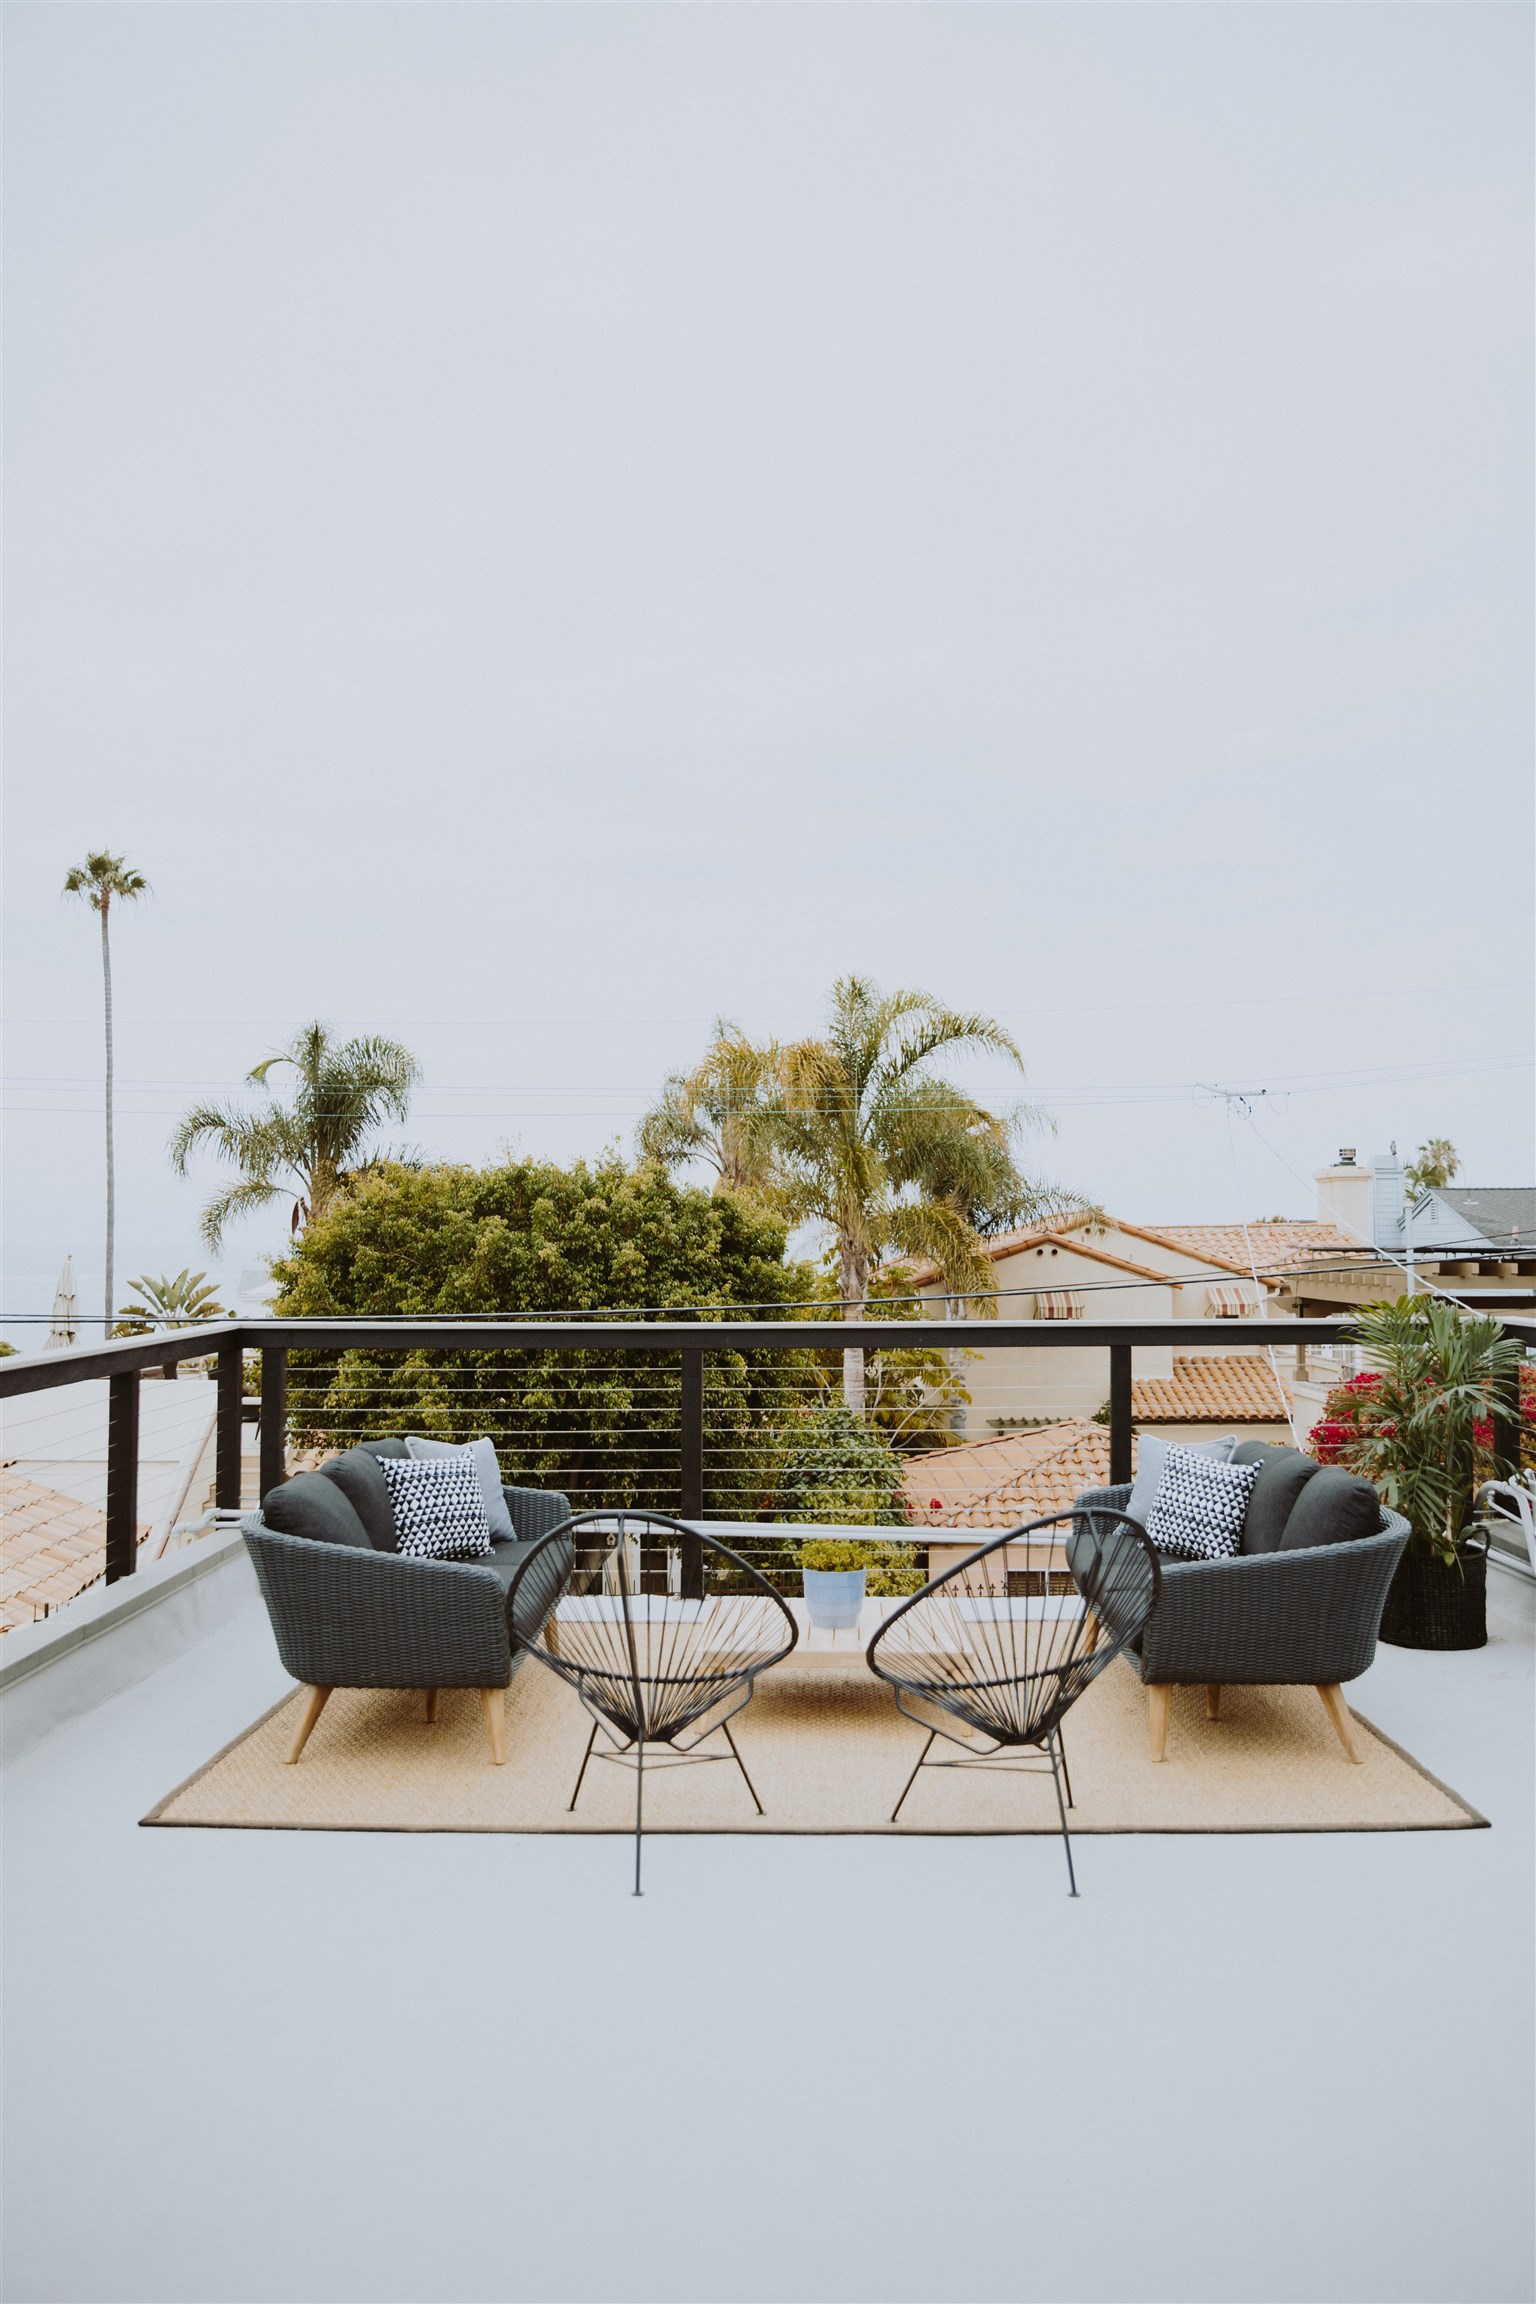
1303,1618
348,1611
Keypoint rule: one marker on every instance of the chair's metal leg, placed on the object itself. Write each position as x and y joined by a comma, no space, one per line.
581,1772
1062,1813
639,1790
912,1779
1061,1746
741,1764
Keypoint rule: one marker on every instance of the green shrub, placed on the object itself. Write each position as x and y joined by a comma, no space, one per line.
892,1570
834,1467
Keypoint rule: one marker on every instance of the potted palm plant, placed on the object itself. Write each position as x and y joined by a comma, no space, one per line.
1422,1434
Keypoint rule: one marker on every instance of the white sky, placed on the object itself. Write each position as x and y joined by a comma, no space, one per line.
534,526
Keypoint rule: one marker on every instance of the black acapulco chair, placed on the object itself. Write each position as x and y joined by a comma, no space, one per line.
661,1632
1008,1665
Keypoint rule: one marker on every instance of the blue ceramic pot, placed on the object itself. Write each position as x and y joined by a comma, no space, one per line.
833,1597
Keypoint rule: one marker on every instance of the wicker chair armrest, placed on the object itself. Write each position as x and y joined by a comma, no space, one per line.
1273,1618
348,1617
1113,1499
535,1511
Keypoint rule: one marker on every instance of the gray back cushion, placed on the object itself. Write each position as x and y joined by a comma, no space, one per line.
1283,1474
358,1477
310,1505
1335,1508
389,1447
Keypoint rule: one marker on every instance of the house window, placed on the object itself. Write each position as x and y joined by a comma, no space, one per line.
1039,1583
1059,1304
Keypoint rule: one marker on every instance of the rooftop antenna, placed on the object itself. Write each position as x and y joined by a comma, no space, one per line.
1243,1100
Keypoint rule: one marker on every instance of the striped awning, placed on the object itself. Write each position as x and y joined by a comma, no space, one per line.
1230,1303
1058,1304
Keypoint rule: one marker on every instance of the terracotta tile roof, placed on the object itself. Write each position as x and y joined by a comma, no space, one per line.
1013,1243
51,1547
1274,1245
1227,1388
1026,1475
1018,1476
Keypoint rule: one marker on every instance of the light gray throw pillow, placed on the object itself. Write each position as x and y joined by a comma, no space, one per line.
1152,1456
487,1471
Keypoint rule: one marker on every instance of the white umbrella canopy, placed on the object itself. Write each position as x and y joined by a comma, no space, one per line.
65,1327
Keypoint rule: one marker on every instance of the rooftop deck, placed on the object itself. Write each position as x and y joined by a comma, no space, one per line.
277,2065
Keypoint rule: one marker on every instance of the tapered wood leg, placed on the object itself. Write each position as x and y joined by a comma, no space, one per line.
1090,1634
431,1706
493,1705
314,1705
1158,1700
1343,1719
1213,1699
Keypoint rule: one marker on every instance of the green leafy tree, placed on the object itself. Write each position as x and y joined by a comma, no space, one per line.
835,1467
100,881
1438,1162
311,1149
1421,1421
531,1238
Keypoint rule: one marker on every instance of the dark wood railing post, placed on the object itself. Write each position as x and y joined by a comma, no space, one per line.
274,1416
226,1476
1119,1414
122,1475
692,1470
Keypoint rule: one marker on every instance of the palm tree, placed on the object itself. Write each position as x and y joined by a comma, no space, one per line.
310,1148
722,1112
97,881
873,1144
1436,1166
168,1302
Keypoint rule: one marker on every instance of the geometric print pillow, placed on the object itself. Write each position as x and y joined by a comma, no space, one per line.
1198,1513
439,1507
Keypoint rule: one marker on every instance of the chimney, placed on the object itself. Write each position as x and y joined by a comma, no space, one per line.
1344,1195
1387,1201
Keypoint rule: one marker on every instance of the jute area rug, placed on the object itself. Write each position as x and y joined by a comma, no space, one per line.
828,1753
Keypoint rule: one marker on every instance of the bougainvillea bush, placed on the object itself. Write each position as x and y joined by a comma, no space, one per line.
1420,1425
1348,1411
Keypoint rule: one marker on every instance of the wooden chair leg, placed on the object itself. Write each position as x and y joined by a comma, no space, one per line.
1213,1700
493,1705
314,1705
1158,1699
431,1706
1090,1634
1343,1720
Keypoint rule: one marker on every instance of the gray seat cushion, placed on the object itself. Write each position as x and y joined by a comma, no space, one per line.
505,1559
310,1505
364,1486
1335,1508
1283,1474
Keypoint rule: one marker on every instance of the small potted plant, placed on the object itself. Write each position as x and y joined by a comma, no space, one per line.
838,1571
1420,1429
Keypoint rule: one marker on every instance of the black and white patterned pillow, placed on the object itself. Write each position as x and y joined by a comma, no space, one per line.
439,1507
1200,1506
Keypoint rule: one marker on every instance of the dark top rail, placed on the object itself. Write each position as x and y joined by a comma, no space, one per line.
43,1371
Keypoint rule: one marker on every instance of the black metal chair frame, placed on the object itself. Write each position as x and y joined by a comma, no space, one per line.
1053,1671
629,1722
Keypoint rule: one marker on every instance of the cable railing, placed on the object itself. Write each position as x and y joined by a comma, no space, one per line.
742,1424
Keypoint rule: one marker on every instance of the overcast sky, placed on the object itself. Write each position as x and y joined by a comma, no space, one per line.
535,526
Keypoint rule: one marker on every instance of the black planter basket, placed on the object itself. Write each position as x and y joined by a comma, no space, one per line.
1432,1606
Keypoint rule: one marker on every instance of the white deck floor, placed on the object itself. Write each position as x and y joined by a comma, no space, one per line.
274,2066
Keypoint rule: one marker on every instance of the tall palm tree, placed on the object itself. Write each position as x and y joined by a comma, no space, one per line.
308,1149
722,1112
97,881
887,1154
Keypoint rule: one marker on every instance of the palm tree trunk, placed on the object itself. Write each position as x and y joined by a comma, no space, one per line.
853,1286
106,984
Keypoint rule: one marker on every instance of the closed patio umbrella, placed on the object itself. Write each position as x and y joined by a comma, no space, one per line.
63,1329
